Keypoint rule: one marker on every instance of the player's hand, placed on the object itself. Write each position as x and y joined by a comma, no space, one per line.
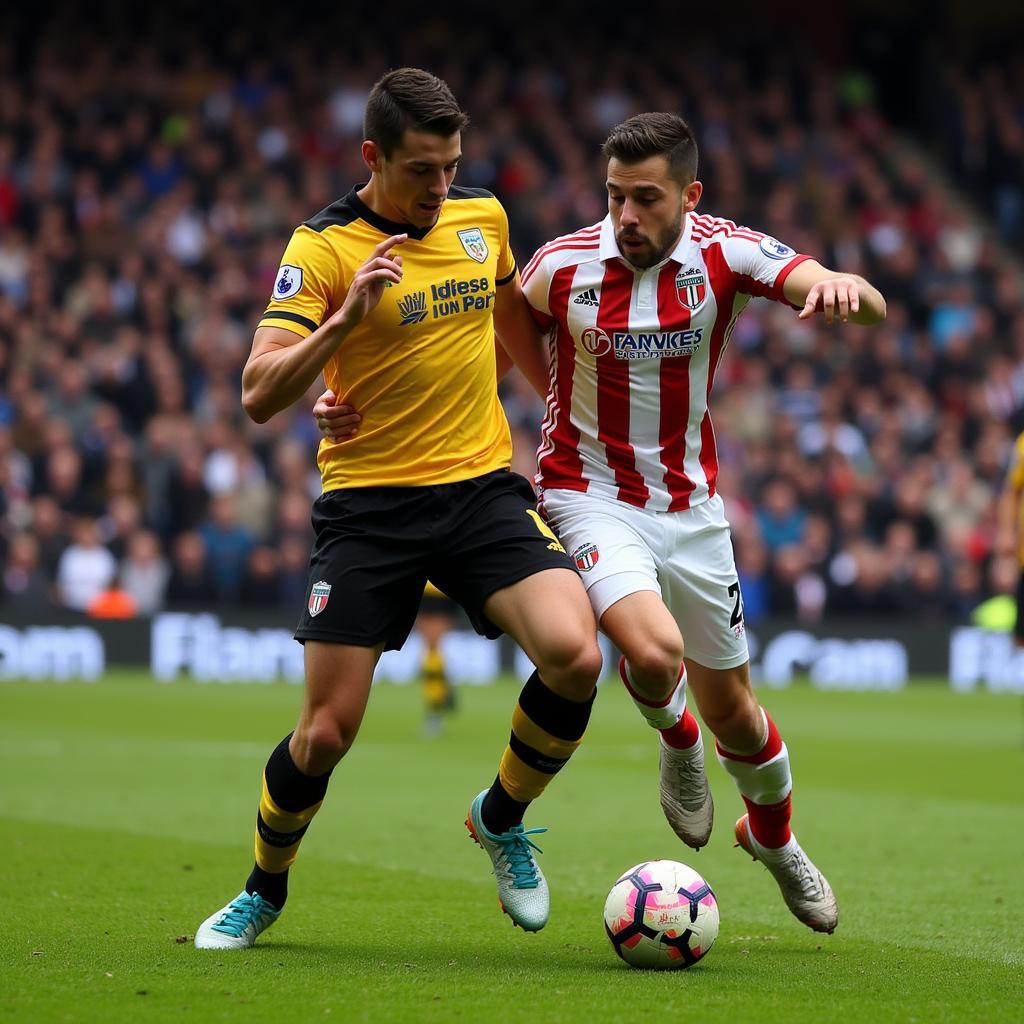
382,267
838,296
336,422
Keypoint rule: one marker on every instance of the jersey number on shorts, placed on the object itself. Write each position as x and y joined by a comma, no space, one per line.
737,609
546,530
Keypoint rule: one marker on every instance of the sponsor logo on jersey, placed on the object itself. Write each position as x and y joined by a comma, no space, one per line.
413,308
289,282
691,288
775,249
586,556
587,298
596,342
318,598
474,243
448,298
660,345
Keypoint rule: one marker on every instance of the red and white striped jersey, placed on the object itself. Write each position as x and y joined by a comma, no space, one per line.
634,355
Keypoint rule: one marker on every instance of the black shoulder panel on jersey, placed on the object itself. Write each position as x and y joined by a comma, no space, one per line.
341,212
469,193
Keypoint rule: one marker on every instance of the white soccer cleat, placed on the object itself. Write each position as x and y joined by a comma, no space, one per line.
804,888
686,796
522,888
237,925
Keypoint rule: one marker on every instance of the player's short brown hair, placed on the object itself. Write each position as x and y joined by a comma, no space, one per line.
655,134
410,98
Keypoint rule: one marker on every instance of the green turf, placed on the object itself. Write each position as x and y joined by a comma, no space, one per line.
126,812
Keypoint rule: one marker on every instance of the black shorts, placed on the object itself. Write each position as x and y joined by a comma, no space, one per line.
376,547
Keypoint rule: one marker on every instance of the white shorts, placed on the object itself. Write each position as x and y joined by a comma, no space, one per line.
686,557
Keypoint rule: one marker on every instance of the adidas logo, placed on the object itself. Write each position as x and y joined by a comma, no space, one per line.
587,298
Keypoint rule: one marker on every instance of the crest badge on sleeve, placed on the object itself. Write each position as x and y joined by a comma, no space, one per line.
691,288
288,283
318,597
475,244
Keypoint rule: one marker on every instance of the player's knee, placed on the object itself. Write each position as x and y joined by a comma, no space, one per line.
322,744
572,666
654,663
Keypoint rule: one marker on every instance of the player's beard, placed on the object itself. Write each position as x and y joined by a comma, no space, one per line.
663,243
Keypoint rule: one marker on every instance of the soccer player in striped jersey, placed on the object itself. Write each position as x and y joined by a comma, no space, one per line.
394,293
638,311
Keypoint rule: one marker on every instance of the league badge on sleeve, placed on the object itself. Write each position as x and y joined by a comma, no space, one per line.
474,243
318,597
775,249
288,283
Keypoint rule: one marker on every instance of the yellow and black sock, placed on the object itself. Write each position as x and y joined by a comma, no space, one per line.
287,805
546,730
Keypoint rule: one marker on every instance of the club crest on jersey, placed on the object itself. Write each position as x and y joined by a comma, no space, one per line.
586,556
691,288
318,597
474,243
289,281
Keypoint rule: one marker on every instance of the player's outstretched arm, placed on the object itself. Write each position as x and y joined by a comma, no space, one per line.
282,365
520,337
846,297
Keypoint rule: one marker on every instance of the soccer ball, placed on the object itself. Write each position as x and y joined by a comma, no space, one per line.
661,914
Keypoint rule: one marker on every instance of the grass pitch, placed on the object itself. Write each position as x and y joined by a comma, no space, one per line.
127,808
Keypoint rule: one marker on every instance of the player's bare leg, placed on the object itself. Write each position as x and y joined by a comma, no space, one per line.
653,672
751,750
295,782
549,616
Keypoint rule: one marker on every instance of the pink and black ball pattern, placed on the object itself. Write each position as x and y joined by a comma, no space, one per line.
661,914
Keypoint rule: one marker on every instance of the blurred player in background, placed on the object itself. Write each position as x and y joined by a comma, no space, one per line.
394,293
435,620
1010,535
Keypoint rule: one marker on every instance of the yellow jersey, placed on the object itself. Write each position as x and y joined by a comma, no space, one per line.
420,367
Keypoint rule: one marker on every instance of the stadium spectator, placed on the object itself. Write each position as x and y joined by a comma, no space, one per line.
190,585
86,567
228,545
144,572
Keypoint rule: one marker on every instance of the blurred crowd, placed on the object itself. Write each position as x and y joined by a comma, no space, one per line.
147,192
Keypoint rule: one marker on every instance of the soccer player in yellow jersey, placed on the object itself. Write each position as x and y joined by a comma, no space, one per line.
1010,535
394,294
435,620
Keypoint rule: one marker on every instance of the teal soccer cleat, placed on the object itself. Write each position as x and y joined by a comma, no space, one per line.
522,889
237,925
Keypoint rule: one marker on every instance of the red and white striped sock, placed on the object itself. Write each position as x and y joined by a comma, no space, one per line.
765,783
670,717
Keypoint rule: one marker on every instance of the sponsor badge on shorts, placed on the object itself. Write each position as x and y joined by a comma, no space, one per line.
318,598
474,243
289,282
586,556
